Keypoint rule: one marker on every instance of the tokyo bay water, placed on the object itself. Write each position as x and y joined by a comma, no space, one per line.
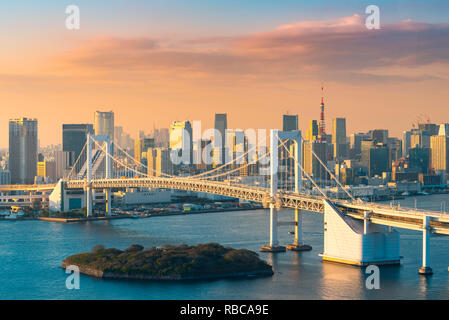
31,253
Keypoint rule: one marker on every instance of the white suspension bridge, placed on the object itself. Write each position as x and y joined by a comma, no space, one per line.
355,232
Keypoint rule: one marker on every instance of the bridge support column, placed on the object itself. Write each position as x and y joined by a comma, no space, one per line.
298,244
89,176
89,202
425,270
108,176
274,244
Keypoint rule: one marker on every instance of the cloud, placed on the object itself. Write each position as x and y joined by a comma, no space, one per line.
340,49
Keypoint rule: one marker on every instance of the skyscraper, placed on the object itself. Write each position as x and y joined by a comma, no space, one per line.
141,146
23,150
311,164
341,147
221,125
439,153
181,140
313,131
74,137
104,124
289,122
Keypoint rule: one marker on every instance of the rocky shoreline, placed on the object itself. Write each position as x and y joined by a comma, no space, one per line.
117,276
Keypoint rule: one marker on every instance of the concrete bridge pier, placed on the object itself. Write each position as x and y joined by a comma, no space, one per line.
89,201
298,244
425,270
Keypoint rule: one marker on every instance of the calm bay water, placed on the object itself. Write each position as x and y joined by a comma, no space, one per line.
31,253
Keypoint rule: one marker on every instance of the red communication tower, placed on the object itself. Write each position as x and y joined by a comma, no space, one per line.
322,132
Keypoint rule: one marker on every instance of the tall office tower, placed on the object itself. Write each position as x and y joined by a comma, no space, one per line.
47,169
395,146
200,149
439,153
356,144
221,125
236,146
162,137
119,136
104,124
313,131
63,160
5,177
22,150
406,142
420,139
141,146
159,162
311,164
340,145
376,157
379,136
431,128
290,122
74,138
444,130
419,159
181,140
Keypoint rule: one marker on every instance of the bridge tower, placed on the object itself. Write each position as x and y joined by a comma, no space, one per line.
298,245
108,150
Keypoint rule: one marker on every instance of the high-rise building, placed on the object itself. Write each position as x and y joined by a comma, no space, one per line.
290,122
159,162
181,140
22,150
5,177
379,136
439,153
141,146
444,130
376,157
104,124
341,147
63,160
311,164
47,169
221,125
74,137
356,144
419,159
313,131
406,142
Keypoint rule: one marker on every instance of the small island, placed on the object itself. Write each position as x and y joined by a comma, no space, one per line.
183,262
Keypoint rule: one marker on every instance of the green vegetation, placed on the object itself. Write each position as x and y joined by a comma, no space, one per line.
171,262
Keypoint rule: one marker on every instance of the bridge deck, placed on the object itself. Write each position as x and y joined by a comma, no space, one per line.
379,214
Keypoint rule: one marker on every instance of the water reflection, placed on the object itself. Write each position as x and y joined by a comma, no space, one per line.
340,281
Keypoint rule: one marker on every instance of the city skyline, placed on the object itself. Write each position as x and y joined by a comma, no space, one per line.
267,66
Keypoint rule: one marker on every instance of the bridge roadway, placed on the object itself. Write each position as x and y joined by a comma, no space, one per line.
393,216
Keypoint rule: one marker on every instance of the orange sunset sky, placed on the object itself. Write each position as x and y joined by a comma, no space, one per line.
188,65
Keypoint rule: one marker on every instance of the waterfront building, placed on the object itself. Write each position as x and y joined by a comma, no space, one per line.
23,150
47,169
419,159
5,177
